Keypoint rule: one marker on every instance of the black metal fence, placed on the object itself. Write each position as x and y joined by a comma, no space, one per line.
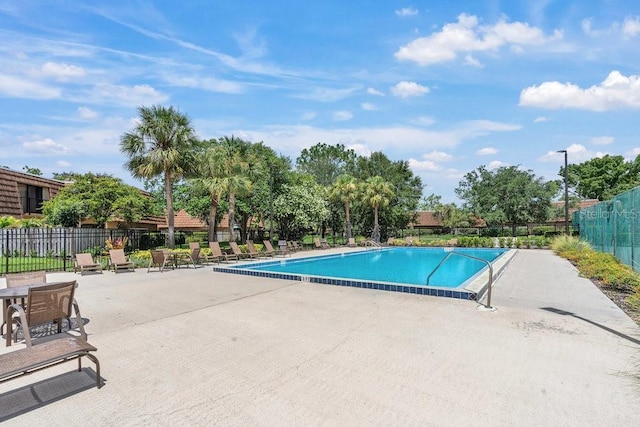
52,249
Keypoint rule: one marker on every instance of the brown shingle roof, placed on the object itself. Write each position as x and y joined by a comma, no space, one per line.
10,203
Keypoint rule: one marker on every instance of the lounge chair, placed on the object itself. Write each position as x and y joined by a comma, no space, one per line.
219,255
159,258
352,242
203,258
325,244
408,241
255,253
41,311
390,241
85,262
237,252
118,261
296,246
317,244
270,250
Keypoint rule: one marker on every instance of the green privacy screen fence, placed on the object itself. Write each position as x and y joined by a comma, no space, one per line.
614,227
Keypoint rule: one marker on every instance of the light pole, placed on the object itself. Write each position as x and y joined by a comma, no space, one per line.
566,193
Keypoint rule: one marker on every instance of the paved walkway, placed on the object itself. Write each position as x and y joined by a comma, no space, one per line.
193,347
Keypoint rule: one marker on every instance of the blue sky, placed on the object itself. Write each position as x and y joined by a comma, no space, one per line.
448,86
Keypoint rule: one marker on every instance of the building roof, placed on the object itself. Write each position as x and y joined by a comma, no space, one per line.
429,219
10,199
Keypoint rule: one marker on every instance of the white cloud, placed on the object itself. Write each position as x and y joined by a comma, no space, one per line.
368,106
632,154
466,35
206,83
127,95
576,153
407,11
44,146
15,87
473,62
495,165
615,92
360,149
438,156
424,121
425,165
63,164
372,91
309,115
541,119
602,140
86,113
407,89
328,94
341,116
487,151
62,72
631,26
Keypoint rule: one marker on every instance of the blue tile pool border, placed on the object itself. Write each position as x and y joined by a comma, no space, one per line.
381,286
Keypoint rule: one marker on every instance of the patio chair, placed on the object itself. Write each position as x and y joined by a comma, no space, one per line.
284,247
159,258
408,240
118,261
193,256
296,246
237,252
325,244
270,250
254,253
317,244
45,306
203,258
84,262
21,279
352,242
390,241
217,252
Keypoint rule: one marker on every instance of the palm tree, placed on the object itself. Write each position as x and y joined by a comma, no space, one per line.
377,193
345,189
235,166
211,178
161,143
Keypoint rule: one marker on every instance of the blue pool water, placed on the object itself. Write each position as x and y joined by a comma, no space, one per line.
394,265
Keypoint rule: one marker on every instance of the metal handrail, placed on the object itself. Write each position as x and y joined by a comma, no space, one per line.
488,305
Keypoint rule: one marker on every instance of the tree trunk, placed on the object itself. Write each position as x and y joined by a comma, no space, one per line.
347,224
171,241
232,209
213,211
376,228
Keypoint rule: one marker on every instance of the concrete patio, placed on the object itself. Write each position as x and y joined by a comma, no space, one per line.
194,347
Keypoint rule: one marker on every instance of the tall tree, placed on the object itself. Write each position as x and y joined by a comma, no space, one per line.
326,162
406,186
345,190
236,166
507,195
161,143
603,177
377,193
100,197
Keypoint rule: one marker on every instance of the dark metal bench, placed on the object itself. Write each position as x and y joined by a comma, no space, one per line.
41,356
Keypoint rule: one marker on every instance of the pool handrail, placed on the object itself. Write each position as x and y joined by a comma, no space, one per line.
488,304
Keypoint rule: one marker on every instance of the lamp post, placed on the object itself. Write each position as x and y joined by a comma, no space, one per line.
566,193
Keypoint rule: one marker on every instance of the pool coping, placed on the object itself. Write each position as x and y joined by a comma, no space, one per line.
473,291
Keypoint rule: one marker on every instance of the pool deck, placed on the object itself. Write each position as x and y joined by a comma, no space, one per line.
195,347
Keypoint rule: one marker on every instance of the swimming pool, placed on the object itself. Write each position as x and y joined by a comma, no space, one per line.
393,269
